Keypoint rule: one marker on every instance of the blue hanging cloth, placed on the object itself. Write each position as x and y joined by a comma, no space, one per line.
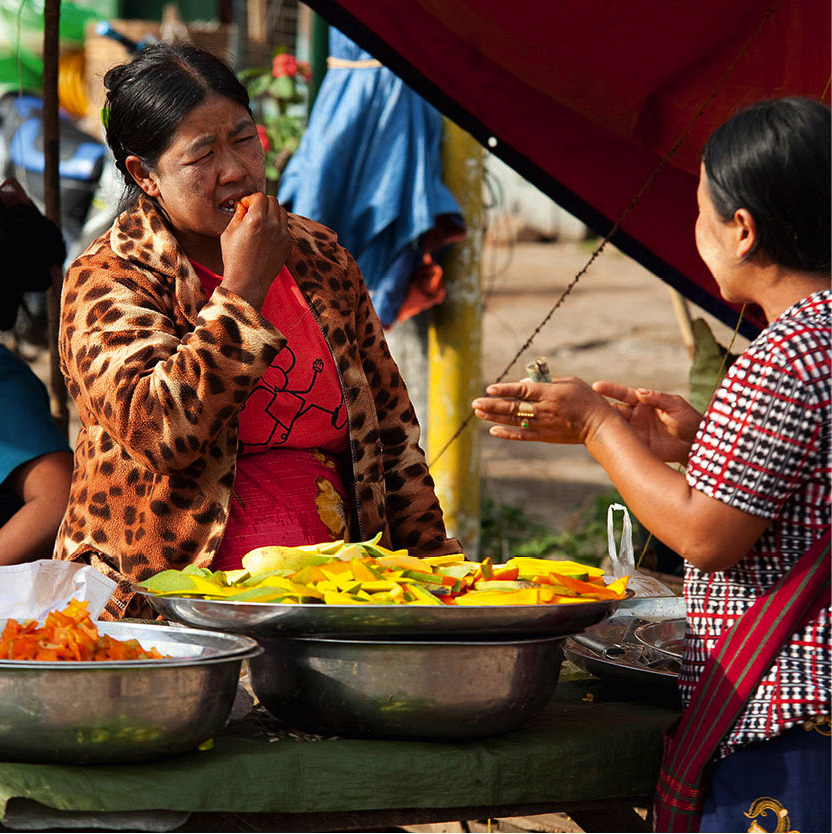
368,166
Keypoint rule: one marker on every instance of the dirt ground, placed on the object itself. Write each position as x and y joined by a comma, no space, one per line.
618,323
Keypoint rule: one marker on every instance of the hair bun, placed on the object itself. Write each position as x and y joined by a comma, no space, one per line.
114,76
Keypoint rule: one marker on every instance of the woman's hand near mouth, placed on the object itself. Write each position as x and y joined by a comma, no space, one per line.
255,246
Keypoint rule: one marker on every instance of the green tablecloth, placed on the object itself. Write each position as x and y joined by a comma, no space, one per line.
588,744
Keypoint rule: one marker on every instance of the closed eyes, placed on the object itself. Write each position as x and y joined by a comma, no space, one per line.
208,154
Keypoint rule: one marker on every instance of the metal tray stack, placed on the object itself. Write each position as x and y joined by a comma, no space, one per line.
640,644
401,671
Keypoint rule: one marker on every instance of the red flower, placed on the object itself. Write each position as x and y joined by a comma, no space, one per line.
264,138
305,69
284,64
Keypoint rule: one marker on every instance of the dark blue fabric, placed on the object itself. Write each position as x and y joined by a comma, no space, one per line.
27,429
782,784
369,167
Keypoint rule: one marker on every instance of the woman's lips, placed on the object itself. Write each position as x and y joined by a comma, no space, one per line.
229,205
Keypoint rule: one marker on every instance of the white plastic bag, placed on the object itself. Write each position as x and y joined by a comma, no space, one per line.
623,561
33,589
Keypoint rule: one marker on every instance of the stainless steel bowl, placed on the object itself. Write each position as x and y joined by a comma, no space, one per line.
406,689
122,711
666,637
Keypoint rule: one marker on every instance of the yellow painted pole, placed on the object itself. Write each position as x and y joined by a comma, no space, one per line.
454,342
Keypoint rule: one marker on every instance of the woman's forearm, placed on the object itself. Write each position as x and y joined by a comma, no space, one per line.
161,395
709,534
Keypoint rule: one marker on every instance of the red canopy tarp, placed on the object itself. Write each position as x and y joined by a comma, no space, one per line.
585,97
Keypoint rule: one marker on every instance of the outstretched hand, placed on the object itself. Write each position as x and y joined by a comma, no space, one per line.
666,423
565,410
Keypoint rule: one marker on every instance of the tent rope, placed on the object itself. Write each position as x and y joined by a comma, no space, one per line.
617,225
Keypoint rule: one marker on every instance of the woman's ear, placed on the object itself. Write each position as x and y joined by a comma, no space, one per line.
144,178
746,232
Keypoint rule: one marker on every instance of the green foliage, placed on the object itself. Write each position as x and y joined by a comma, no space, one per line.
708,367
507,531
277,95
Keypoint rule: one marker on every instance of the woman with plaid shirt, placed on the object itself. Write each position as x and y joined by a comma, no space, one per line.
755,496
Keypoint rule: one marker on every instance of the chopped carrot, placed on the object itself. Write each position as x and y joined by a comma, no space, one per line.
67,635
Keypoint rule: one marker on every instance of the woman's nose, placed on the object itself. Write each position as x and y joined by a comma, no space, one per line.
231,167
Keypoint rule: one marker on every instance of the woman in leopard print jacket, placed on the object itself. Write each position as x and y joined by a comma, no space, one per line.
232,379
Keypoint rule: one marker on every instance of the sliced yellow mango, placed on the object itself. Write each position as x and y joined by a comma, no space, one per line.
528,596
588,589
379,585
451,559
403,562
292,587
422,597
528,564
364,572
232,577
349,552
338,598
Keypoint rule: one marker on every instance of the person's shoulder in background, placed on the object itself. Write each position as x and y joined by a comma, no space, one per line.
27,429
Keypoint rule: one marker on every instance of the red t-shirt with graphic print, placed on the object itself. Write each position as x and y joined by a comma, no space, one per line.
293,424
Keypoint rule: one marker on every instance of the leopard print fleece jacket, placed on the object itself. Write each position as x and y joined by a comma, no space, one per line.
158,371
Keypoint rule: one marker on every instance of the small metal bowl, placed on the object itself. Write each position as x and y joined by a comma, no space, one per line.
122,711
406,689
667,637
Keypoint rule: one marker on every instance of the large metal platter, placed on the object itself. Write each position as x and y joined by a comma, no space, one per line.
394,621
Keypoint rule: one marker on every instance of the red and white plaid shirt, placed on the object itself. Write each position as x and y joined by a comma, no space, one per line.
764,448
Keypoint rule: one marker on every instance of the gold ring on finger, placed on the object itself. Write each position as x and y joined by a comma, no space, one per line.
525,410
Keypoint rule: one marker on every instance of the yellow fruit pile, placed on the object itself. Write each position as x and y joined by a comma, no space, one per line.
364,573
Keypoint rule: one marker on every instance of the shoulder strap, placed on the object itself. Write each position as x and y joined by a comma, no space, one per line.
732,674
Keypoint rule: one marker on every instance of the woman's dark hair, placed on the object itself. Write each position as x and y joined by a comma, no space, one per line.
148,97
773,159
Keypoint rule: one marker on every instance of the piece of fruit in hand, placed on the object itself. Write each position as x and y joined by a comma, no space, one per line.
241,206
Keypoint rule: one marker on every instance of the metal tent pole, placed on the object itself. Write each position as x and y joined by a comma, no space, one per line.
52,200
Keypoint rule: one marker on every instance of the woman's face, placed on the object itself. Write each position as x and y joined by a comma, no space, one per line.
214,159
715,242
